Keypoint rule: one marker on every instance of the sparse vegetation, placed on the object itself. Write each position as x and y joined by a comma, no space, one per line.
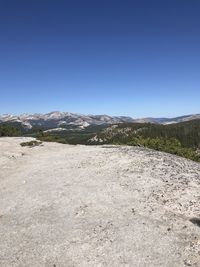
31,143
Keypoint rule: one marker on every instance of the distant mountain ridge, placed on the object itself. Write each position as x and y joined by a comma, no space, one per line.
62,119
169,120
58,119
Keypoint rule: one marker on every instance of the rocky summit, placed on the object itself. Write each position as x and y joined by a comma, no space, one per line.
65,205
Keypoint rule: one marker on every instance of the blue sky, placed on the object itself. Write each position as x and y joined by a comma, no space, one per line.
138,58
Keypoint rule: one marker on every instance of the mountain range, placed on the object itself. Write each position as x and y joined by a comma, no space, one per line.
62,120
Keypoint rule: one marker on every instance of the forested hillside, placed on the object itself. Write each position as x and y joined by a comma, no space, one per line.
188,133
7,130
182,139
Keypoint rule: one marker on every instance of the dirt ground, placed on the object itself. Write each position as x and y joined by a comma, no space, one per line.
64,206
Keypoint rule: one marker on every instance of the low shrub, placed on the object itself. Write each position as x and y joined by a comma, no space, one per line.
31,143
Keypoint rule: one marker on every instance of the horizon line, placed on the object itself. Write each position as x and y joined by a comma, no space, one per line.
91,114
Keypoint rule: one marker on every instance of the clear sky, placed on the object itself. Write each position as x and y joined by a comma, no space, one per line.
118,57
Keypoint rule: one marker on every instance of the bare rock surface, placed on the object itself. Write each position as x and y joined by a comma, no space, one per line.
63,205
